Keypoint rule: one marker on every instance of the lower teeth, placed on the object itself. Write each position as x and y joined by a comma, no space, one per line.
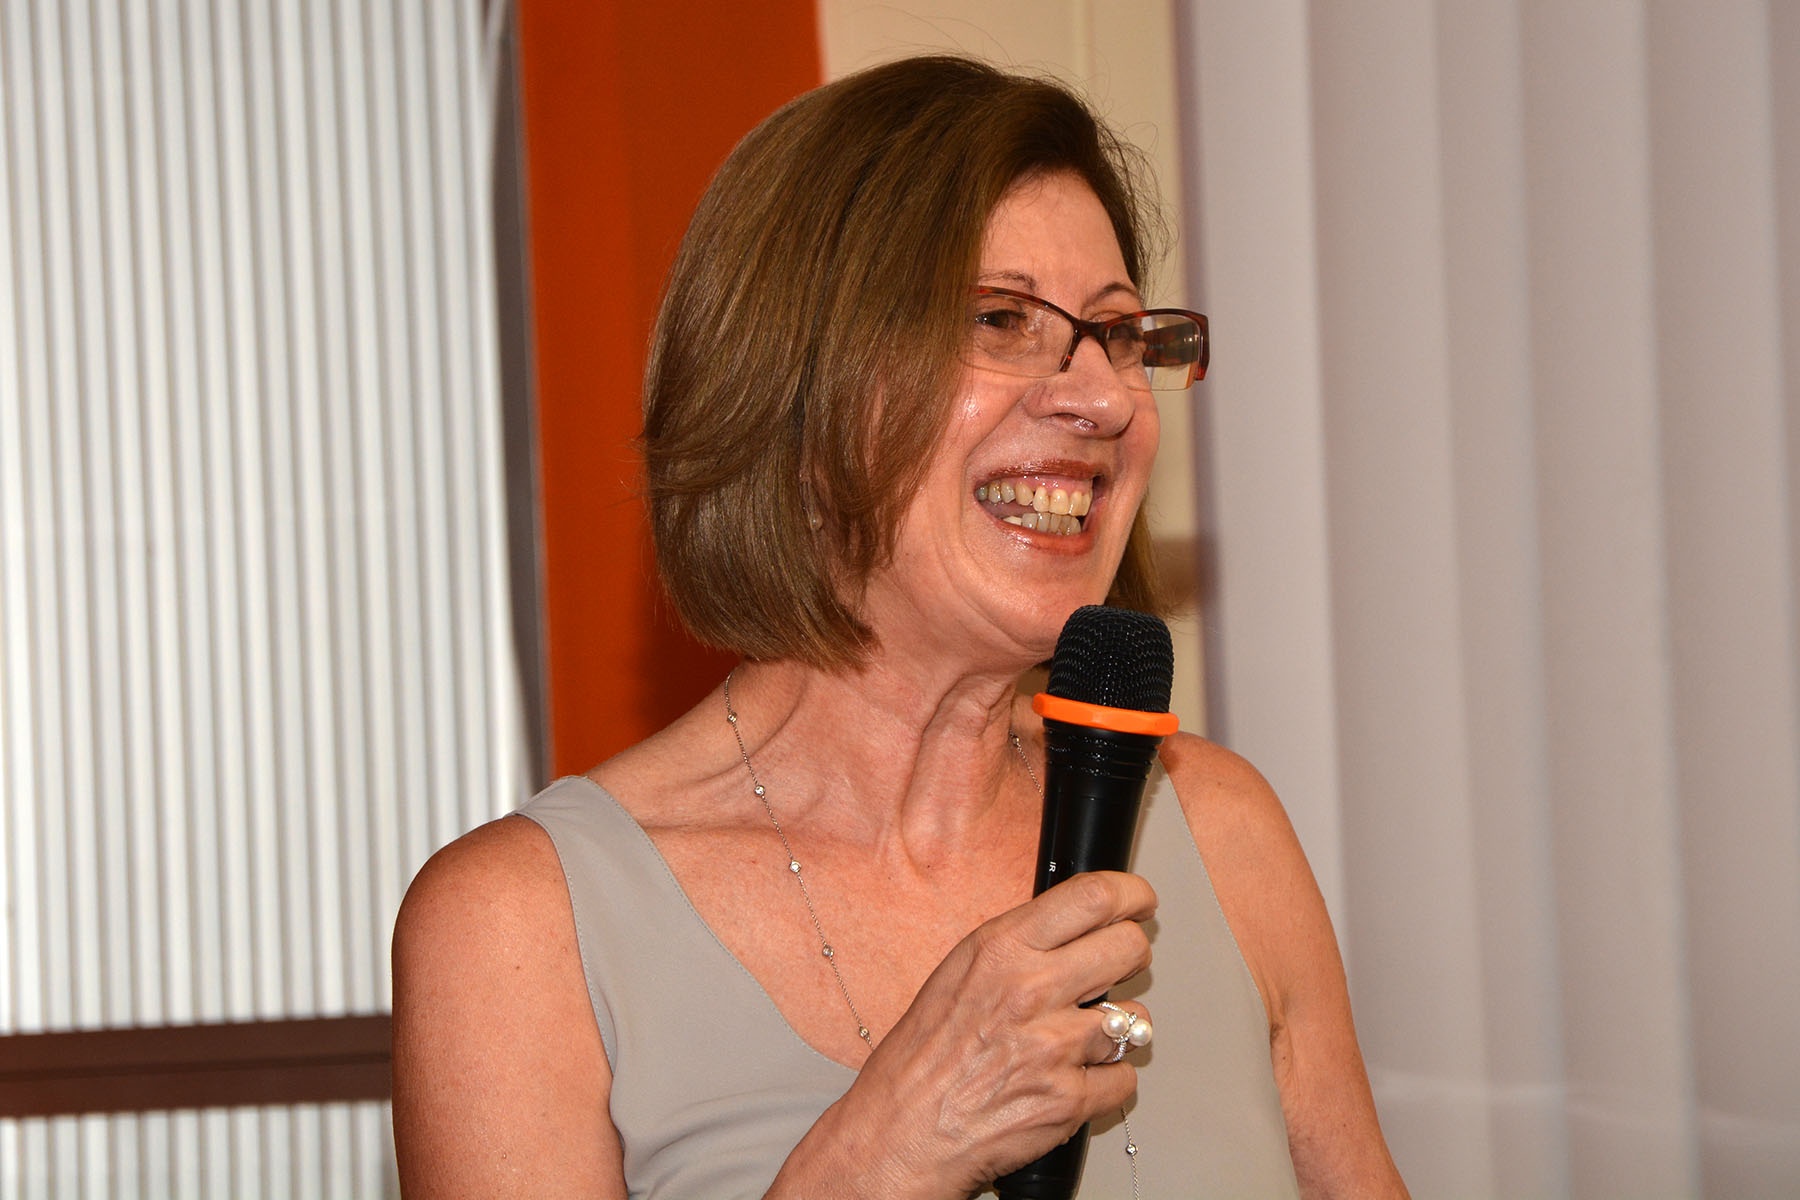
1047,523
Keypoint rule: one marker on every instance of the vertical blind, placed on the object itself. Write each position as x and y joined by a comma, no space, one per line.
254,622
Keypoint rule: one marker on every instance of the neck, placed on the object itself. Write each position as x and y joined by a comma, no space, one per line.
896,755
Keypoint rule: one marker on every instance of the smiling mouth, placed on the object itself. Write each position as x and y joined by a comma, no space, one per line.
1045,504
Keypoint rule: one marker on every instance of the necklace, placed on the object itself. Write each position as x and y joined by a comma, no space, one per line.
812,913
762,794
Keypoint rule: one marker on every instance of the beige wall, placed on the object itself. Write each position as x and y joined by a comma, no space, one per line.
1123,57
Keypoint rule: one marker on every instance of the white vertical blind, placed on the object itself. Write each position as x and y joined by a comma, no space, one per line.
254,623
1517,283
300,1153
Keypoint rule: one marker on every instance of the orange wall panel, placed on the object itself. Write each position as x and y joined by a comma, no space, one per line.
628,110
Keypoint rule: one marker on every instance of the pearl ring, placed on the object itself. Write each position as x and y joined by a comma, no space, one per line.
1124,1027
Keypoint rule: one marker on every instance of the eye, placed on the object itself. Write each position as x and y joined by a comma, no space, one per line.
1001,314
1128,335
1172,344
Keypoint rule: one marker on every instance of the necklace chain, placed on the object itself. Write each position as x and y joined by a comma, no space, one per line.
762,794
825,948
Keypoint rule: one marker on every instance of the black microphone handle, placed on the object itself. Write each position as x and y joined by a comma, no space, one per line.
1093,785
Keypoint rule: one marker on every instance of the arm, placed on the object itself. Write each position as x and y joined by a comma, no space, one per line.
500,1078
1275,911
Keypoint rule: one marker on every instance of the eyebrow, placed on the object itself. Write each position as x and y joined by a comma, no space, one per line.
1027,282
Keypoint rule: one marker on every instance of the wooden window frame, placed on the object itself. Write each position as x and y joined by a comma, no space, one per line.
252,1063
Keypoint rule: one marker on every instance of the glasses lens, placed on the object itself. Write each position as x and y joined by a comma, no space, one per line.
1163,351
1174,349
1018,335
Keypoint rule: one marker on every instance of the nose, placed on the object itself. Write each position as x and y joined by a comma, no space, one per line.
1089,395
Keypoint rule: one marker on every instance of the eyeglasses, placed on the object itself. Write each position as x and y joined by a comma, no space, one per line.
1163,349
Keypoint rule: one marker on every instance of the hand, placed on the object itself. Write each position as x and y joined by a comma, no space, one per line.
993,1063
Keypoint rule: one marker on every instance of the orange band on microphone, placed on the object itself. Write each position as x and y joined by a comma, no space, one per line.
1099,716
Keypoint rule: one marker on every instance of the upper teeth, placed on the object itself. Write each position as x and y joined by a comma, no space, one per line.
1053,509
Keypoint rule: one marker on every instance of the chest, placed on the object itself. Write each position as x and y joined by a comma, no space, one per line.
886,920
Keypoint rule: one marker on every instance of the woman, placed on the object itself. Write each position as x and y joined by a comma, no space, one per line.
787,945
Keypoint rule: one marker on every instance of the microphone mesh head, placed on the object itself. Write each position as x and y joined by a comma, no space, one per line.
1115,657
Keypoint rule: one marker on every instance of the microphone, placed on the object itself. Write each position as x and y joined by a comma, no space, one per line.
1105,710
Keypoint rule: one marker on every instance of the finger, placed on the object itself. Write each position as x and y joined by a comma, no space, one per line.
1078,905
1085,969
1109,1087
1076,972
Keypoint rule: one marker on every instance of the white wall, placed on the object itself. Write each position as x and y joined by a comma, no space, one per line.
1506,477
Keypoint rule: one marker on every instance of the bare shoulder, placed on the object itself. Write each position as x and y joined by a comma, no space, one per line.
490,869
1272,903
494,894
1219,790
1258,871
500,1078
1243,832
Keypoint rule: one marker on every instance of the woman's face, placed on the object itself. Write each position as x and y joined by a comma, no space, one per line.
964,576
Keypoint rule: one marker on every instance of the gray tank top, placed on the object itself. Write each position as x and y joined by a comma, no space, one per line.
712,1088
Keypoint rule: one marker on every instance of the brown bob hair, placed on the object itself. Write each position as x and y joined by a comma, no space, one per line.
804,357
